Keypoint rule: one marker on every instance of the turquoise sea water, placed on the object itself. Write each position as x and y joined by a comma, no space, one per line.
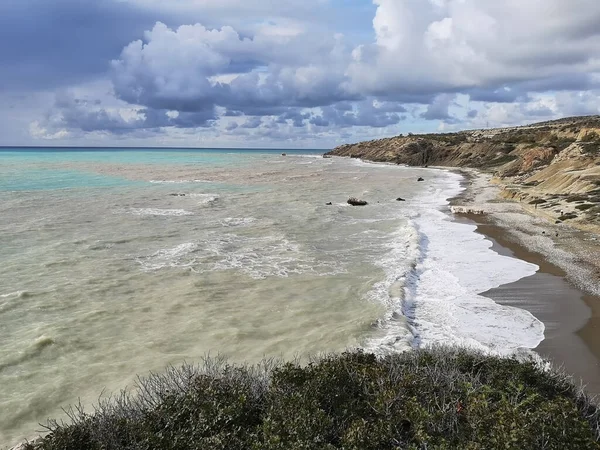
116,262
24,169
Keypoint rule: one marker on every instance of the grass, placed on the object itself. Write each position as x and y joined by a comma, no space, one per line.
425,399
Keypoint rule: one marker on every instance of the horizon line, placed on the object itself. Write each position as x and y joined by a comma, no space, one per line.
154,148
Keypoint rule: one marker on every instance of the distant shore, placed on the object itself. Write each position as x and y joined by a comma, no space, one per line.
563,294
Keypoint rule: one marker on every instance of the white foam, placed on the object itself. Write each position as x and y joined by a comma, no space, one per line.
12,294
403,252
171,257
306,156
205,199
436,269
258,257
237,221
178,181
160,212
442,298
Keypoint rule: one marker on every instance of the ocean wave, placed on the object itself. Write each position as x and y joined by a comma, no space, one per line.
179,181
205,199
434,281
33,350
257,257
16,294
170,257
237,221
160,212
394,332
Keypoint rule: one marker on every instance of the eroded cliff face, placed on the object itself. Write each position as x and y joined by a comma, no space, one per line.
554,165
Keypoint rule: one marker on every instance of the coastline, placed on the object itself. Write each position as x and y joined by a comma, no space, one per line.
563,294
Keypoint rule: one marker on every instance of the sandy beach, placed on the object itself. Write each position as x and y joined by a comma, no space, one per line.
563,294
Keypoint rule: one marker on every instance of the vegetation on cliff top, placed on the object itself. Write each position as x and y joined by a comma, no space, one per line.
426,399
535,162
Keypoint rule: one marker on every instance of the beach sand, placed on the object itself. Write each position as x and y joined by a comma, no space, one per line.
563,294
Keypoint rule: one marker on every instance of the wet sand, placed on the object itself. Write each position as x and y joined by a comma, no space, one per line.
571,316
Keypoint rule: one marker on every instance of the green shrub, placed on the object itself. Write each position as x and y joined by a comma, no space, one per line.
438,398
537,201
576,198
585,206
567,217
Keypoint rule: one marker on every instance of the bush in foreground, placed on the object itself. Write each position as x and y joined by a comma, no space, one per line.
426,399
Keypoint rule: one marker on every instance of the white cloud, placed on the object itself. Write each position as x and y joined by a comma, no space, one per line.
458,44
516,60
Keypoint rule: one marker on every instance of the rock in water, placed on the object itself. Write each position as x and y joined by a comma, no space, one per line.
284,154
356,202
421,179
328,203
400,199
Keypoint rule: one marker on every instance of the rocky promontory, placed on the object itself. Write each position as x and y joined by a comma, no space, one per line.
552,166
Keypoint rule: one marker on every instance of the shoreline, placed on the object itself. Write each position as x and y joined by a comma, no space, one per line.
563,294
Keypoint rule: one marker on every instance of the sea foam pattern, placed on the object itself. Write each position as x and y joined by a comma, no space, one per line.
434,281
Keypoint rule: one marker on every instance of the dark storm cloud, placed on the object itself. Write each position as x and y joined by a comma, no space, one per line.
49,43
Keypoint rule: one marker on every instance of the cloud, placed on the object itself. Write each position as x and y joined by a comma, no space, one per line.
192,68
425,47
47,44
438,110
274,70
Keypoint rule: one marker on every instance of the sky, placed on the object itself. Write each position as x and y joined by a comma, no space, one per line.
288,73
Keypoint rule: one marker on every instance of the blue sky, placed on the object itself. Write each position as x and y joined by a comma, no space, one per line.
288,73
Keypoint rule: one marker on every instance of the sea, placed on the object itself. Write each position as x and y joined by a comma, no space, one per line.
118,262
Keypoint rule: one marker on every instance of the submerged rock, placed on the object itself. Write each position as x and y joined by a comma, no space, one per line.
356,202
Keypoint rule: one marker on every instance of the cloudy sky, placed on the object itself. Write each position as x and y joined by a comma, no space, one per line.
288,73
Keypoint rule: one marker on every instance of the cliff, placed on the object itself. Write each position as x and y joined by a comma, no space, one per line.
552,165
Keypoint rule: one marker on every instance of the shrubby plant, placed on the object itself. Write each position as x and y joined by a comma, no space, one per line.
439,398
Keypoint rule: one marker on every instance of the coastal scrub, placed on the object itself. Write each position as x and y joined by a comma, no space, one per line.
438,398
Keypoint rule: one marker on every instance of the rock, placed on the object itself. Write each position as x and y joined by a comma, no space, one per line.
177,195
420,179
356,202
466,210
326,156
400,199
328,203
284,154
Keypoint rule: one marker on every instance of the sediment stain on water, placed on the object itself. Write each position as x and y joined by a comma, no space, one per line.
115,263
